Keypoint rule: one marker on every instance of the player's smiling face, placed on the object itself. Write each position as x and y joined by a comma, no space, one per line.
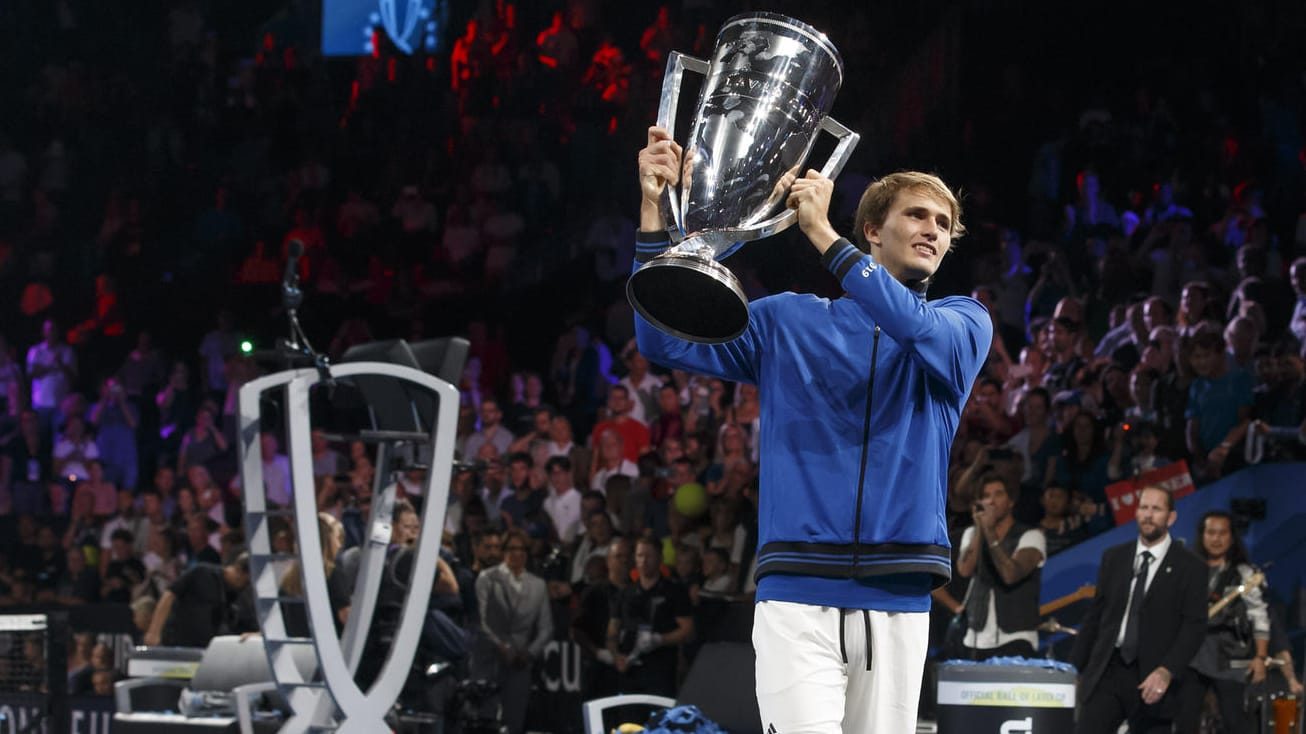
916,233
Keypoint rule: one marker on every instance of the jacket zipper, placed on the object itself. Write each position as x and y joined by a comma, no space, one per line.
866,447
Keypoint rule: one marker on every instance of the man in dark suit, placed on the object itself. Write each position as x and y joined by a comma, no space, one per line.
1146,623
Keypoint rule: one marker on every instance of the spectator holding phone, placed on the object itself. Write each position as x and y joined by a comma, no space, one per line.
1002,557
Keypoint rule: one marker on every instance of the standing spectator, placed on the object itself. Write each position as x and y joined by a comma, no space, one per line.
1065,363
670,422
25,468
202,444
635,435
589,626
142,371
1037,443
1219,406
1083,463
115,420
176,403
1003,558
515,625
526,499
1298,323
641,386
651,619
52,368
11,380
215,348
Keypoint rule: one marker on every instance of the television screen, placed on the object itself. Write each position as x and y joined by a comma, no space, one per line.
411,26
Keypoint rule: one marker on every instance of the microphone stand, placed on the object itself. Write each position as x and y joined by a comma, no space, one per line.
292,297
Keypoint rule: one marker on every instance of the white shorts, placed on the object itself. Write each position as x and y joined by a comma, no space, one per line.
823,670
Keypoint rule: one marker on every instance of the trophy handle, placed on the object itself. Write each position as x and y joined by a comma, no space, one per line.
667,106
843,150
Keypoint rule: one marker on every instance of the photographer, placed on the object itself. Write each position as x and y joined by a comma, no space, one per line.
1002,557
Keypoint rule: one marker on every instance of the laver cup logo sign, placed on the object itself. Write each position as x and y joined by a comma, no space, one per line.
1007,695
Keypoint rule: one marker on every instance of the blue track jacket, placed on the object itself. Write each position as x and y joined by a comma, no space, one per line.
861,398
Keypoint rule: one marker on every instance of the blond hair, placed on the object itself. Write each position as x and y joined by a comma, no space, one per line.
878,198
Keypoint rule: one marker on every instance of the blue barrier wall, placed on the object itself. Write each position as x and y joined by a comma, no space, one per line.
1280,538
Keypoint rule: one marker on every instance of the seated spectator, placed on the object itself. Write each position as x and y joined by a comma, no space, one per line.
492,430
103,493
326,460
561,443
122,570
79,663
80,582
73,451
1133,451
163,562
126,518
718,581
599,531
45,563
142,614
562,503
202,549
726,532
634,434
1062,526
983,417
610,459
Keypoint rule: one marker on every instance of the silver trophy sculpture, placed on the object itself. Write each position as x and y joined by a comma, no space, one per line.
768,91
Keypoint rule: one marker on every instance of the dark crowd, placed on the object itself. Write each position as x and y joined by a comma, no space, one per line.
1137,232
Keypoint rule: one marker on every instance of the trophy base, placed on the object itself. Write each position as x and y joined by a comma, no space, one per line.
693,298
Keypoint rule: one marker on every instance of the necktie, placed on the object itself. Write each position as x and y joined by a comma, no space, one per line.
1129,647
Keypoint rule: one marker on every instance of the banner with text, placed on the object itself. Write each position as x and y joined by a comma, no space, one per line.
1123,496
